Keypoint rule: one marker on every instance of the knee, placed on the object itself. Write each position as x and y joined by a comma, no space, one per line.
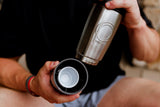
131,92
12,98
134,92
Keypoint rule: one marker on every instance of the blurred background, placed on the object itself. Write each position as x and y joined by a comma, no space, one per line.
138,68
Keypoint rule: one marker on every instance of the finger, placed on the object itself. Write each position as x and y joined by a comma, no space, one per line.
49,65
127,4
61,98
57,97
53,64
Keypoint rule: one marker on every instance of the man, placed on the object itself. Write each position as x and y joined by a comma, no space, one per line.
48,32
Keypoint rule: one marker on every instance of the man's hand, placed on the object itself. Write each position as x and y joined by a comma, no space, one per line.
41,85
132,18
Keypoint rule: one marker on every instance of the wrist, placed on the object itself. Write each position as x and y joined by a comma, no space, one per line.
141,24
28,85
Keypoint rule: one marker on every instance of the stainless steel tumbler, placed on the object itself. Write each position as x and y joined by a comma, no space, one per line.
97,34
70,76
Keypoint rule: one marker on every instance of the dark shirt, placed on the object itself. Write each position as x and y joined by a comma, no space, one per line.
50,30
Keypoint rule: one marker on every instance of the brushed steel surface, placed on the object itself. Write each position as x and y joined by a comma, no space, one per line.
97,34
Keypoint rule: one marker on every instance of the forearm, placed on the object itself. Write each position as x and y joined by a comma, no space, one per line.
144,42
12,74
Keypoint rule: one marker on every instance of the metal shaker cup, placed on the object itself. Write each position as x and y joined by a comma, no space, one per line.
70,76
97,34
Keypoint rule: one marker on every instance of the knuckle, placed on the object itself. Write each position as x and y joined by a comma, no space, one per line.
46,63
51,100
57,100
124,3
46,66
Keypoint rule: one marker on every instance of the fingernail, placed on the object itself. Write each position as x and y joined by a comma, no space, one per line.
52,64
107,4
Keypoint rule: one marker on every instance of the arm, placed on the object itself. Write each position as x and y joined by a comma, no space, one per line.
144,41
13,75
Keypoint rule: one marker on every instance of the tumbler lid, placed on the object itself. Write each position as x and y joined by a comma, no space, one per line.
70,76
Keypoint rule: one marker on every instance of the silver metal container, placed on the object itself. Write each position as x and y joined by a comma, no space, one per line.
70,76
97,34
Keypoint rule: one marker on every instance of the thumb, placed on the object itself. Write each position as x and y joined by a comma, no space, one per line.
49,65
53,64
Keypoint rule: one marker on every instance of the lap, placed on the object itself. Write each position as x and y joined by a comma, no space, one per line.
125,92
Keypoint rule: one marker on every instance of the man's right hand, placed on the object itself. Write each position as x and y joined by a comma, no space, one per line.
40,85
